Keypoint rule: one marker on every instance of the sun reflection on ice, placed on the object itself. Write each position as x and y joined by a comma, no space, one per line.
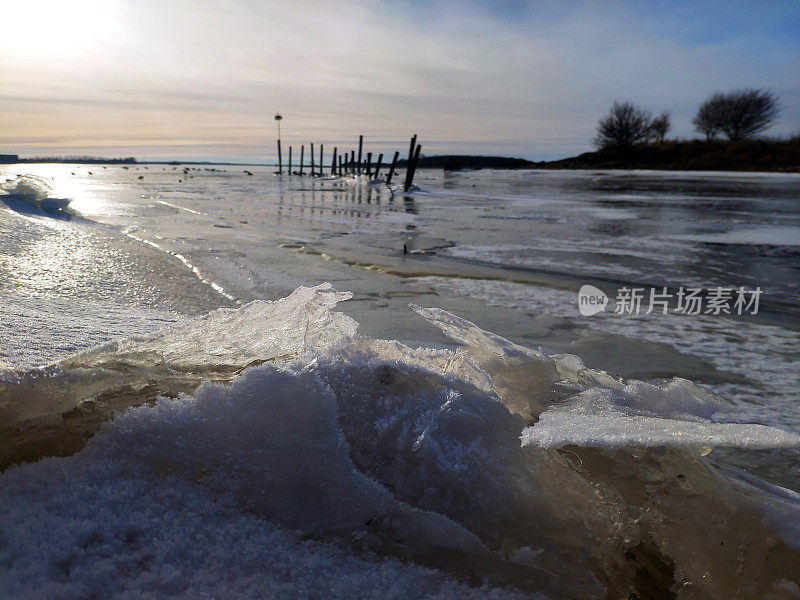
86,186
59,261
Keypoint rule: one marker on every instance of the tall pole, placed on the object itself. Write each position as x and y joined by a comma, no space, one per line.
302,151
311,154
360,145
333,162
278,119
321,155
412,169
290,160
409,164
391,169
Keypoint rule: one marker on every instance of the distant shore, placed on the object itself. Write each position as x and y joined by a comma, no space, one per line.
694,155
457,162
782,156
764,155
75,160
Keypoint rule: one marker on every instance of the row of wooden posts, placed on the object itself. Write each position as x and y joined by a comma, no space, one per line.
341,166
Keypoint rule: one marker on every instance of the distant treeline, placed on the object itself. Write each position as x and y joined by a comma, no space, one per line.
456,162
626,134
88,160
693,155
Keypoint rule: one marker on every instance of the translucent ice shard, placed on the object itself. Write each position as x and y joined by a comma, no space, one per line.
527,380
57,409
229,339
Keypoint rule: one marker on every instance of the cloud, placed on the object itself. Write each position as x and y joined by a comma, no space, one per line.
514,78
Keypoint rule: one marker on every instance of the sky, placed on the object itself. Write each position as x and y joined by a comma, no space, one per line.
202,79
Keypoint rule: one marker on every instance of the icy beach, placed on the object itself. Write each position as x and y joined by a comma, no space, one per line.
238,386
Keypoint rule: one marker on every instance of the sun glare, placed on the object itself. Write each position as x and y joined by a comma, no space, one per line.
34,29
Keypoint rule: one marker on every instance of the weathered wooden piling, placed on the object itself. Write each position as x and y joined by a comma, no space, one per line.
414,166
302,150
412,145
412,169
347,163
391,169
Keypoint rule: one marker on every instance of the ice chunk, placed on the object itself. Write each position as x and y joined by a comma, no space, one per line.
612,429
126,519
443,445
609,412
271,442
468,334
30,188
675,413
527,380
229,339
56,409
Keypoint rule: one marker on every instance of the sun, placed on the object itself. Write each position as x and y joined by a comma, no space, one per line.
35,29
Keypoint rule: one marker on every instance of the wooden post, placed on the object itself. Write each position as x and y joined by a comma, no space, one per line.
412,169
321,154
369,164
333,162
280,161
290,160
407,183
341,166
312,159
302,151
391,169
378,166
360,144
352,160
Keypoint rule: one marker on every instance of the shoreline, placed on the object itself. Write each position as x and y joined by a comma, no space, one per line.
743,156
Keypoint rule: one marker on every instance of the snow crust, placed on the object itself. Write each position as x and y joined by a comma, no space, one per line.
214,496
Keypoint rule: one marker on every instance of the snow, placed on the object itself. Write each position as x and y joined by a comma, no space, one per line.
215,496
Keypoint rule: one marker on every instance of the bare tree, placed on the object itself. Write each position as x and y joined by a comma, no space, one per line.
623,126
660,126
707,120
737,114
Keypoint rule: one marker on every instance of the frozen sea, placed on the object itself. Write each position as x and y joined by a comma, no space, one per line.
109,305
